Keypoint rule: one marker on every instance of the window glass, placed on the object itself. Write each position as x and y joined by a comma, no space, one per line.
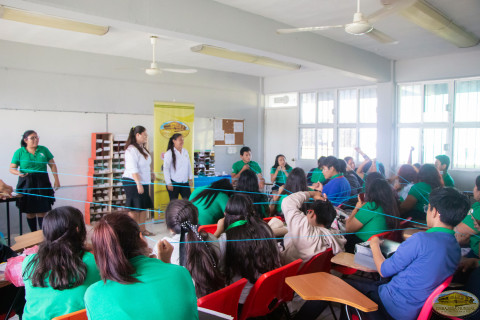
347,141
410,104
467,101
307,108
368,105
368,141
347,106
436,103
325,142
434,141
326,103
408,138
467,148
307,143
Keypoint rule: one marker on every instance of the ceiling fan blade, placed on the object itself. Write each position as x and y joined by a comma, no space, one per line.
381,37
308,29
389,7
180,70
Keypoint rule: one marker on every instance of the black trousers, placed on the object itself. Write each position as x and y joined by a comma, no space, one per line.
182,188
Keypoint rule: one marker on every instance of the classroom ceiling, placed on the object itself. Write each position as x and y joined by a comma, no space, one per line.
127,40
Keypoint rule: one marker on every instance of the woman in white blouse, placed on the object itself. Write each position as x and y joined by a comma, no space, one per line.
177,168
137,176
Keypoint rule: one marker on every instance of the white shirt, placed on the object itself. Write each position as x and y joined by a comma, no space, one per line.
135,162
183,171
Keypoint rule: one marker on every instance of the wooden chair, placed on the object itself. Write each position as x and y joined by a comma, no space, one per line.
28,240
77,315
224,300
426,311
267,292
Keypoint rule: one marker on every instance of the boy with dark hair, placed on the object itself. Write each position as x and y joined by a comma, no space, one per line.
247,164
442,162
337,189
316,175
310,233
421,263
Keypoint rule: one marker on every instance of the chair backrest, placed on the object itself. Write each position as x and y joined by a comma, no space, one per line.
320,262
267,292
77,315
384,235
426,311
396,235
270,218
292,270
224,300
208,228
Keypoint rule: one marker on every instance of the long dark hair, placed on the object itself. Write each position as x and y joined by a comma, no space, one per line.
210,194
171,146
59,257
379,191
248,258
296,182
248,182
430,175
407,174
287,166
132,140
115,240
197,256
25,136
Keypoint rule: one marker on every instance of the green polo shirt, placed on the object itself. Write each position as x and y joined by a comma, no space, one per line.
317,176
281,176
237,167
441,229
47,303
32,162
216,209
420,191
474,239
165,291
448,180
372,219
279,202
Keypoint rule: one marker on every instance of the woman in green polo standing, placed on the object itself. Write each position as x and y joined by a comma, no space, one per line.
30,164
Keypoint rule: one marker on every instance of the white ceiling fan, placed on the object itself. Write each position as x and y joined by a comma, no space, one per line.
362,25
154,69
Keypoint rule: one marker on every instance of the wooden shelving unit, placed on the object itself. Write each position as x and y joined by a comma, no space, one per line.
105,168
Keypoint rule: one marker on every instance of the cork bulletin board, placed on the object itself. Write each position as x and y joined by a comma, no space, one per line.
229,132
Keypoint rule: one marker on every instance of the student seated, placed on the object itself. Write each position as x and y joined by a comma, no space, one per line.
279,172
337,189
309,232
201,252
245,257
442,162
417,198
467,227
421,263
356,183
246,163
57,276
296,182
248,183
135,286
211,201
374,215
316,174
403,181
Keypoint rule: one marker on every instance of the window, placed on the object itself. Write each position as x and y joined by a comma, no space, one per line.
340,120
440,118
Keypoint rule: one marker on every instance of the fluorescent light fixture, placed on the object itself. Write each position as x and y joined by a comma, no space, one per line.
44,20
429,18
244,57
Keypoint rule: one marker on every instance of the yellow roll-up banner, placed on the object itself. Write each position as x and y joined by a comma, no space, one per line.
170,118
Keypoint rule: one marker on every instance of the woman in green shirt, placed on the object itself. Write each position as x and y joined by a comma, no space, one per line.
379,212
57,277
466,232
135,286
414,205
211,201
296,182
279,172
30,164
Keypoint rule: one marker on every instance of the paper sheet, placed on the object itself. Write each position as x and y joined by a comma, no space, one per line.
218,124
238,126
229,138
219,135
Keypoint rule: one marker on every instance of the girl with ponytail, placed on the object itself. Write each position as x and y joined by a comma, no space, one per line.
137,176
57,277
135,285
177,168
201,258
